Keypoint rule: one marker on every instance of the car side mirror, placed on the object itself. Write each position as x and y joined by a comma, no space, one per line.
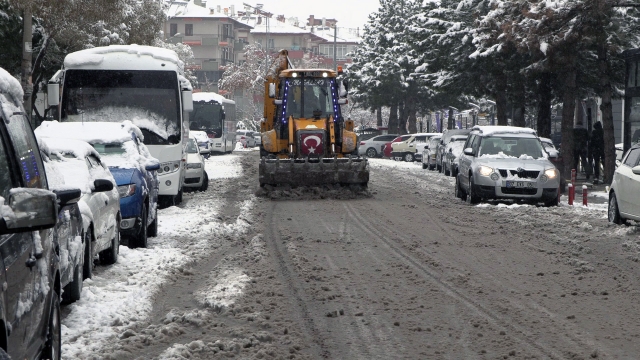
469,151
553,155
636,170
152,167
68,197
28,210
102,185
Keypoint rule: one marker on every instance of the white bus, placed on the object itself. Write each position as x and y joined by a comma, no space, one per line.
130,82
215,114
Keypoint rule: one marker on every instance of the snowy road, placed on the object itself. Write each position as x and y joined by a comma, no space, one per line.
404,270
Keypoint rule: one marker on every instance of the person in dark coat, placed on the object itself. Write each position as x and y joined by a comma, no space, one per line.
596,148
580,150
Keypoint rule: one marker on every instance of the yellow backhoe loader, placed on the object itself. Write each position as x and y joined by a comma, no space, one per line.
305,139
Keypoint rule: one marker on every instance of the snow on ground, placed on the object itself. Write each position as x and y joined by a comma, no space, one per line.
122,294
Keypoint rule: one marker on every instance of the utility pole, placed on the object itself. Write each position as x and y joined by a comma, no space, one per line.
335,47
27,49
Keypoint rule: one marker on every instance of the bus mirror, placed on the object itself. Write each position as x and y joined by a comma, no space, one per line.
53,94
187,101
272,90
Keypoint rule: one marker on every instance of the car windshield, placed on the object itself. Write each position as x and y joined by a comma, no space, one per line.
150,99
511,146
109,149
192,148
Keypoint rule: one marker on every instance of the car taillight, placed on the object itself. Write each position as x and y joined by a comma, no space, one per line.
242,137
361,142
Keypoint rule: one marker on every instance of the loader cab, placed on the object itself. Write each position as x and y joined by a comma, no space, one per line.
308,94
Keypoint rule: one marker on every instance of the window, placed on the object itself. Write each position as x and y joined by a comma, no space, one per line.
27,150
271,44
188,29
632,158
327,50
173,29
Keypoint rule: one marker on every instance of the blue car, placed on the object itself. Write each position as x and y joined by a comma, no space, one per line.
121,148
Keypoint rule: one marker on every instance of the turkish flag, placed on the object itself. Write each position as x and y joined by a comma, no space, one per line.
311,144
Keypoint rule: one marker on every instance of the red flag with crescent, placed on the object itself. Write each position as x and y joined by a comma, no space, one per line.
311,144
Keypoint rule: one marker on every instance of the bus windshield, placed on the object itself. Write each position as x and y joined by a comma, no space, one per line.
309,97
208,117
149,98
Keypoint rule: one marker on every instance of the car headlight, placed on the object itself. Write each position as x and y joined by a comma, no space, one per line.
485,170
194,166
126,190
551,173
169,167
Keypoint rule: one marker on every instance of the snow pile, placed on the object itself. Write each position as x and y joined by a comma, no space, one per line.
223,287
91,132
223,167
491,130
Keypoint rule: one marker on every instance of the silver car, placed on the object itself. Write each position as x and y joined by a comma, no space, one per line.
429,153
373,146
506,162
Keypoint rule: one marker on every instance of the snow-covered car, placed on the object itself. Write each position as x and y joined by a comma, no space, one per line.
440,151
196,176
506,162
422,142
372,147
121,148
30,296
452,153
245,137
82,168
624,195
429,153
68,232
204,143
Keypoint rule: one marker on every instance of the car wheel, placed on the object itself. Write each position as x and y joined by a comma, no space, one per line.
52,347
371,152
110,255
472,198
140,239
446,170
87,267
460,194
408,157
424,166
551,203
613,211
205,182
152,231
73,289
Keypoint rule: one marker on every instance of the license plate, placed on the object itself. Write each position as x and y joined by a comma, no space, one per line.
521,184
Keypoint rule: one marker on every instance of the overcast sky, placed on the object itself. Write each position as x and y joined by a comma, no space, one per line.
349,13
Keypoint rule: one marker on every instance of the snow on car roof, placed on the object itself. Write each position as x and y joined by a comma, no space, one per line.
10,86
124,57
458,137
78,148
209,96
491,130
91,132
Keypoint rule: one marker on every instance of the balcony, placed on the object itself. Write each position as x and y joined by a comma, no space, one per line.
238,46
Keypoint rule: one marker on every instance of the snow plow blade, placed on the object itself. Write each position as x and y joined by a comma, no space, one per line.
310,172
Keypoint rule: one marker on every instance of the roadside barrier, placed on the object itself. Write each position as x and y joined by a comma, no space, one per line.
584,195
571,194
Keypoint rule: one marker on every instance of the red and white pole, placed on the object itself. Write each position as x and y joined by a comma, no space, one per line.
584,195
573,177
570,194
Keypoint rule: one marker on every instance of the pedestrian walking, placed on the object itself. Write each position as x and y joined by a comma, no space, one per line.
580,150
596,147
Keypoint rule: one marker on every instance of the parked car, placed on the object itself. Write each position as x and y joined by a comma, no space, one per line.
624,199
245,137
506,162
429,152
196,174
204,142
30,273
372,147
68,233
82,168
446,136
452,153
387,149
421,143
257,136
121,148
408,149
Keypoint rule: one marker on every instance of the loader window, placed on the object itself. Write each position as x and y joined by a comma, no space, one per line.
307,97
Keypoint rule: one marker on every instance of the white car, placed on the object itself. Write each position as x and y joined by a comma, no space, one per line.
204,143
257,136
373,147
548,146
245,137
196,176
81,168
624,195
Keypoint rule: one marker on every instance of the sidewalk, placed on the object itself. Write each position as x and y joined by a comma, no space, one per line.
596,194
